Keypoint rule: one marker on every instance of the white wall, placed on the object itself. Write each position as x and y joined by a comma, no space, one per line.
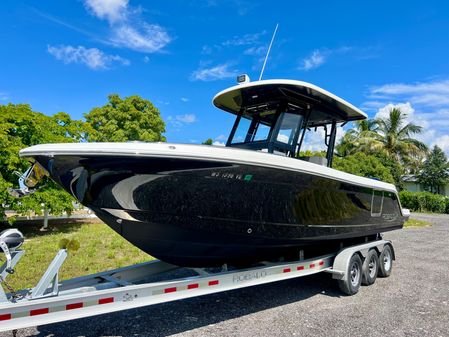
415,187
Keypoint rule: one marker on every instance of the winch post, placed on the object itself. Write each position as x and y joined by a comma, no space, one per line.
50,278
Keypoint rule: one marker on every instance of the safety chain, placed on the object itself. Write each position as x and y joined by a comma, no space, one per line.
14,294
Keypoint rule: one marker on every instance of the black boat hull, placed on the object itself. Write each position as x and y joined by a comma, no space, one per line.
200,213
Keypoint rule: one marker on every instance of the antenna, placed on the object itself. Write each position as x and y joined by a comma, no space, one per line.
268,51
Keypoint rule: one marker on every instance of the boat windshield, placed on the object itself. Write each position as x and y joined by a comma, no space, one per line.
256,133
281,132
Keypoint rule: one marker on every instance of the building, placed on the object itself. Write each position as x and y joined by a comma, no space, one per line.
411,184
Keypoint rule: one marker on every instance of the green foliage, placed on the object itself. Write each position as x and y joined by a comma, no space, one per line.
363,165
208,141
21,127
396,169
309,153
358,138
435,171
395,137
424,202
390,137
130,119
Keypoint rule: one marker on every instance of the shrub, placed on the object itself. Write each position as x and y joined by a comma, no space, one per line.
364,165
424,202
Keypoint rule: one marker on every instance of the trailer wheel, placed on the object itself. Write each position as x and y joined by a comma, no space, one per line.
351,285
370,268
385,261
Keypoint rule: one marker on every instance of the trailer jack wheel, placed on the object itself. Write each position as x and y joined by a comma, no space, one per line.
350,285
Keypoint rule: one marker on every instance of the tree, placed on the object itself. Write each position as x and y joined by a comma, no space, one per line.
358,138
131,118
364,165
395,138
435,171
21,127
208,141
396,169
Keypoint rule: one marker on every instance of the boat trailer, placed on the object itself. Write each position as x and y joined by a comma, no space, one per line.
144,284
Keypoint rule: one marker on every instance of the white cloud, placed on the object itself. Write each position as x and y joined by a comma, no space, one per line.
218,143
320,56
315,60
184,99
91,57
148,38
111,10
426,104
221,137
146,59
256,50
206,50
406,108
431,94
187,118
442,142
128,30
4,96
217,72
245,40
314,140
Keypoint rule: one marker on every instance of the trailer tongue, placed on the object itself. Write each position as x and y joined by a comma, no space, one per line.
155,282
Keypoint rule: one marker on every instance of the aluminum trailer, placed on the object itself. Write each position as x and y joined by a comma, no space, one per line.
51,301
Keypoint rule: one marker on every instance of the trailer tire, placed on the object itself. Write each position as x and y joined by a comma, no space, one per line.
351,284
370,268
385,261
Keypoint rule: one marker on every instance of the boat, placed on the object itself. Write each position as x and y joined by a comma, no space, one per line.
255,199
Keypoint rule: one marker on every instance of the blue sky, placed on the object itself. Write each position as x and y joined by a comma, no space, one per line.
69,55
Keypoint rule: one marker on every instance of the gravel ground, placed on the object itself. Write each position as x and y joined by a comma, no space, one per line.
413,301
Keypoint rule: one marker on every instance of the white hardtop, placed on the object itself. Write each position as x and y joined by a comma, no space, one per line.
232,99
202,152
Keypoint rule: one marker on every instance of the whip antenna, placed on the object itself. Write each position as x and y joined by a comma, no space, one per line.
268,51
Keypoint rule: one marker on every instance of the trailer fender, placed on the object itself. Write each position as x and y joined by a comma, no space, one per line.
341,261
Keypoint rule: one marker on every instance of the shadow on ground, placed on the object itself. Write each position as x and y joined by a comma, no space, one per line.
31,229
179,316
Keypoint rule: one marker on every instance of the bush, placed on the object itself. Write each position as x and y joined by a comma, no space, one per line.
424,202
364,165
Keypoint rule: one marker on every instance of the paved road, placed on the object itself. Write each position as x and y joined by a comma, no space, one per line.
414,301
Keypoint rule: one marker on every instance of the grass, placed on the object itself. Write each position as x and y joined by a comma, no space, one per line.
100,249
416,223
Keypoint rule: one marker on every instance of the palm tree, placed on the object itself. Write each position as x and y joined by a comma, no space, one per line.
395,137
358,138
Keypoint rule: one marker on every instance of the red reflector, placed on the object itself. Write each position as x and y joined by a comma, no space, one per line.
287,270
321,263
74,306
36,312
106,300
213,283
193,286
5,317
300,268
169,290
312,265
